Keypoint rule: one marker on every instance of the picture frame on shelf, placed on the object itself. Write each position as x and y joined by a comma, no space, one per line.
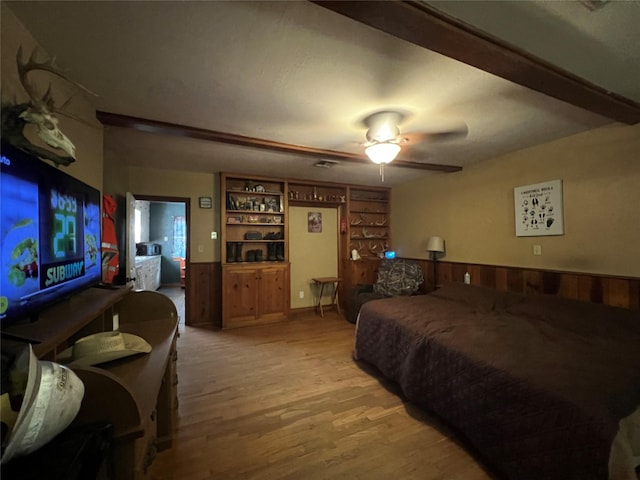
235,219
271,205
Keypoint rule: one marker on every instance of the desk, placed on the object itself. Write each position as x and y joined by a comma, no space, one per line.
322,281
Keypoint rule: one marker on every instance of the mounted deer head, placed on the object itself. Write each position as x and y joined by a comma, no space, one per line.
39,111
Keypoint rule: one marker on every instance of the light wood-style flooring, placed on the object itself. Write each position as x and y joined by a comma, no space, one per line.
287,401
176,294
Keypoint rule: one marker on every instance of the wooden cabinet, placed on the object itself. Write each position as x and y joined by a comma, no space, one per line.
255,267
137,395
254,294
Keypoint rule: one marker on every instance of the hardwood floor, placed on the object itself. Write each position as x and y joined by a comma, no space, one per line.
286,401
175,293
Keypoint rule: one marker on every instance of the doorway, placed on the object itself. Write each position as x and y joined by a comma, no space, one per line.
164,221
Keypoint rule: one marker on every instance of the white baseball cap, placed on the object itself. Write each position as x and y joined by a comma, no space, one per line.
51,401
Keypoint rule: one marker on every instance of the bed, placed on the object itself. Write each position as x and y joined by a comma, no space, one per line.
542,387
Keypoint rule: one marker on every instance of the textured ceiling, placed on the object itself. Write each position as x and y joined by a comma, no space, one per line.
297,73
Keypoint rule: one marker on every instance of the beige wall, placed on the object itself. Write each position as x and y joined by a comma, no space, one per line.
473,210
173,183
87,138
311,254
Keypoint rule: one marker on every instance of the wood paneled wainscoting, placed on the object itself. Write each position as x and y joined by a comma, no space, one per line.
204,291
595,288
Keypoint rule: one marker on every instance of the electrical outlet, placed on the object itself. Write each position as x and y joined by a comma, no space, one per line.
200,248
537,249
214,235
301,293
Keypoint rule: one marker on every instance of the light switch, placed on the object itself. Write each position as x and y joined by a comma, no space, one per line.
214,235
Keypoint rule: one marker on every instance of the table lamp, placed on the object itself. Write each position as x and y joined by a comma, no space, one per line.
435,245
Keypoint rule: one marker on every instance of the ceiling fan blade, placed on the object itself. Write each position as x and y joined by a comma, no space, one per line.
458,133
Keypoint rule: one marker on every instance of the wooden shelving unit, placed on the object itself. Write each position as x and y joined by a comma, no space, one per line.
255,254
368,232
258,291
369,221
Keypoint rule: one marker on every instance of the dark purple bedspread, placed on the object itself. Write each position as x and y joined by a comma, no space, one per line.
537,386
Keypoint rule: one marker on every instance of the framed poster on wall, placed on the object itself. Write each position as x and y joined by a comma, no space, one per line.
538,209
314,222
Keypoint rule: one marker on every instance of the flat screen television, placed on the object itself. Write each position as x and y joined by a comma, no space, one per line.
50,231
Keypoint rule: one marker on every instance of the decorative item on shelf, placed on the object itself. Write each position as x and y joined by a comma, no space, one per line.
276,219
435,245
235,219
253,235
271,204
231,203
273,236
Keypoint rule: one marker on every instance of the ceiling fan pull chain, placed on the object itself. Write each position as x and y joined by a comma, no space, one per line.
382,172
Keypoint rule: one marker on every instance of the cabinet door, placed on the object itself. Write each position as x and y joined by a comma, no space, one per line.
240,294
273,298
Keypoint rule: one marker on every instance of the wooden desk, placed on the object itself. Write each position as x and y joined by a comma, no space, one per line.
322,281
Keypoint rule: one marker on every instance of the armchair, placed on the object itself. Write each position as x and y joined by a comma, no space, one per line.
396,277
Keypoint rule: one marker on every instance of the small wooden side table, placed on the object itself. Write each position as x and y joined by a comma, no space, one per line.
322,281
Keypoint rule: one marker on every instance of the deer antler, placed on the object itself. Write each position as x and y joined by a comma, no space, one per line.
48,65
45,104
40,110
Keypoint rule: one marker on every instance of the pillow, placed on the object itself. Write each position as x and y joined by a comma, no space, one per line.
482,299
579,316
398,277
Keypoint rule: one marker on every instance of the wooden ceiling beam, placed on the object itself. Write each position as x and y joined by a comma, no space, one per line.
165,128
422,25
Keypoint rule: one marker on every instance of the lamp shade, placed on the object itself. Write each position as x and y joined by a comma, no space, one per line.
383,152
435,244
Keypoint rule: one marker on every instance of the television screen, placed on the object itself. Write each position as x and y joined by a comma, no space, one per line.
50,231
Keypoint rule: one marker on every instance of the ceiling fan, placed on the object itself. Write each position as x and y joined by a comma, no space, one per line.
384,140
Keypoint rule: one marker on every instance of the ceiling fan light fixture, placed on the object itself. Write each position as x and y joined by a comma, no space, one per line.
382,152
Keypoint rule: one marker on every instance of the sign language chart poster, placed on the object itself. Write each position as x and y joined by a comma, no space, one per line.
539,209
